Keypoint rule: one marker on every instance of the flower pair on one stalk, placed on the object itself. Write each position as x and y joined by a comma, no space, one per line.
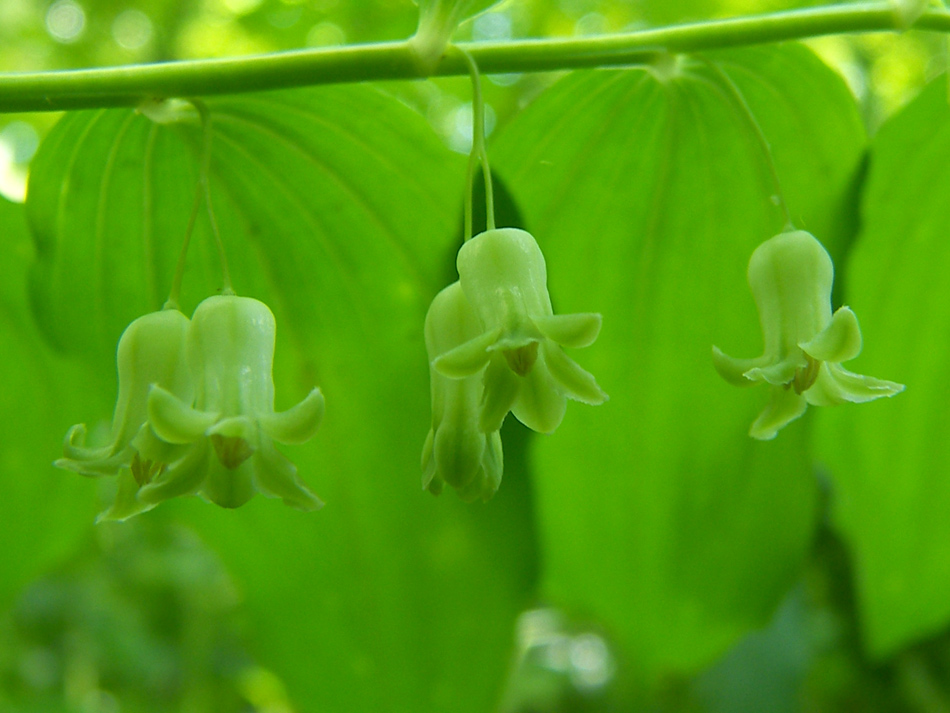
494,346
791,276
195,412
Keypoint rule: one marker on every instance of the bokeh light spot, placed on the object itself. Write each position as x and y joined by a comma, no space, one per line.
18,143
65,21
326,34
591,663
242,7
132,29
492,26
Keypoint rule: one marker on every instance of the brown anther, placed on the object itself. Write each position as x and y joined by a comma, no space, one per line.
522,359
145,471
805,376
232,451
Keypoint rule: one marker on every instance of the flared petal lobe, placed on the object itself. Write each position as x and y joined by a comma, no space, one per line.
295,425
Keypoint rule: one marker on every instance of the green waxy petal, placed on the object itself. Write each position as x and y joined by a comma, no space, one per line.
493,465
484,486
92,462
152,448
297,424
570,330
504,277
231,349
734,370
182,477
74,446
458,451
791,276
150,351
450,321
175,421
276,477
126,502
541,403
466,359
243,427
501,390
780,373
228,487
839,341
836,385
429,480
578,384
784,407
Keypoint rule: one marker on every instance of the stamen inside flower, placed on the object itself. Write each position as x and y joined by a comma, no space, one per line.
145,471
522,359
231,450
805,376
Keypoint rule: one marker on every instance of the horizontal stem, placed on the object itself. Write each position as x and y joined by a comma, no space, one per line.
128,85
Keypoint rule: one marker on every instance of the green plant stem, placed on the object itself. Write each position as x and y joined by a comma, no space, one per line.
202,191
479,153
127,86
205,183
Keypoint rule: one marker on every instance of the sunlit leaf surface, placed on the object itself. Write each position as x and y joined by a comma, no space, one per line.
339,208
44,512
648,193
890,462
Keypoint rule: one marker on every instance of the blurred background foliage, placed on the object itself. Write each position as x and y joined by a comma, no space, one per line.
144,616
884,71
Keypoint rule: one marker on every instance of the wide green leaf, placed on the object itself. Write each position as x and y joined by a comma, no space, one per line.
339,208
648,192
44,511
890,459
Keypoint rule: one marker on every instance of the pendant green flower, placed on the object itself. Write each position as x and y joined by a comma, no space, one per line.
456,451
504,277
150,351
791,276
230,429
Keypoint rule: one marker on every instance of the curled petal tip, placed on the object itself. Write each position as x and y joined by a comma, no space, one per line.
839,341
836,385
577,383
296,425
784,407
468,358
501,387
777,374
570,330
175,421
736,371
276,477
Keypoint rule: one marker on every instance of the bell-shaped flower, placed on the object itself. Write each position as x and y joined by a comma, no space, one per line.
504,277
791,276
231,427
151,351
456,450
